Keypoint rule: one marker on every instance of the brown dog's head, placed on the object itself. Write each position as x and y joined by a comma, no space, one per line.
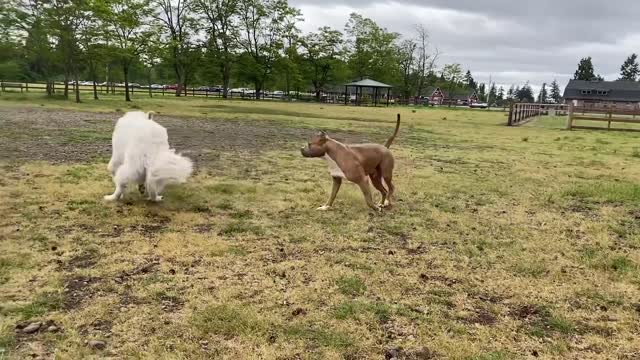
317,146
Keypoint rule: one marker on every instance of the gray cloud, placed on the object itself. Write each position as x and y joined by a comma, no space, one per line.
511,41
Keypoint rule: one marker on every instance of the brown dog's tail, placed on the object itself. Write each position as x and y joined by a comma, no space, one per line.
393,137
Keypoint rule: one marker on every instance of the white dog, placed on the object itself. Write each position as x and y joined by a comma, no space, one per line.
141,155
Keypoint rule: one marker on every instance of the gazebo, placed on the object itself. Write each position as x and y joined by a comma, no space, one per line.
366,83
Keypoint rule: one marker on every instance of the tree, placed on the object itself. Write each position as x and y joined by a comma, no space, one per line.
482,92
322,52
500,95
525,94
585,71
630,69
264,25
374,53
406,57
492,96
555,95
511,93
222,16
176,17
543,95
426,58
27,20
452,73
124,20
468,79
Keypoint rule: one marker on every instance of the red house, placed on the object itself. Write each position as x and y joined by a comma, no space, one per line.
439,96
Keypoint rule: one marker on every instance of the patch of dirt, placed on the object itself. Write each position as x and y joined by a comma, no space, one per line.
77,289
398,353
84,260
528,312
481,317
60,136
203,228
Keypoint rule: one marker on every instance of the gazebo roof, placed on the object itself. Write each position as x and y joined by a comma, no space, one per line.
369,83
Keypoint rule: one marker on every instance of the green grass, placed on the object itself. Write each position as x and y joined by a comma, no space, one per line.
503,242
351,285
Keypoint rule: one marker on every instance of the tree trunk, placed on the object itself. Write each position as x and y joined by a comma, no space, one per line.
125,68
318,95
226,79
66,86
95,89
77,87
149,82
258,88
92,69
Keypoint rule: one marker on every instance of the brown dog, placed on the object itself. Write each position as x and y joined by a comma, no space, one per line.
356,163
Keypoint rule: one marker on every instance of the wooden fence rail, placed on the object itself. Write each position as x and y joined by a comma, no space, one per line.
21,87
521,113
602,114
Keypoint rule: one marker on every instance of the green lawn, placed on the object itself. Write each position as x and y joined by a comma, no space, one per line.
505,243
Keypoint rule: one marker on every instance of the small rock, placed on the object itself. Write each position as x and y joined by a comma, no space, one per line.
97,344
52,328
31,328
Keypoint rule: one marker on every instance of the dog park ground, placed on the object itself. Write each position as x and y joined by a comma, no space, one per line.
505,243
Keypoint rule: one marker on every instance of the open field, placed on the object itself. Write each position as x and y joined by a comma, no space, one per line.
505,243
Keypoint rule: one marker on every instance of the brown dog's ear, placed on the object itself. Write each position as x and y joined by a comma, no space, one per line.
322,134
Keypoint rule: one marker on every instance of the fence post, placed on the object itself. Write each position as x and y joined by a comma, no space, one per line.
510,121
570,116
27,87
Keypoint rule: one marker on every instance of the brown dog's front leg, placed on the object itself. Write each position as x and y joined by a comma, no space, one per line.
337,181
364,186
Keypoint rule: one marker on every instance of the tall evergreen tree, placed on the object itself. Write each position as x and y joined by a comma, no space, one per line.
585,70
469,81
482,92
630,69
555,94
543,95
511,92
500,95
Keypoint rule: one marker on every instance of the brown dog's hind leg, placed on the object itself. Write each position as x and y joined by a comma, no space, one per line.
376,180
364,186
392,189
337,181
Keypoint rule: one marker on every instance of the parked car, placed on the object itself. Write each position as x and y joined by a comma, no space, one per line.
134,85
156,86
277,93
480,105
171,87
203,88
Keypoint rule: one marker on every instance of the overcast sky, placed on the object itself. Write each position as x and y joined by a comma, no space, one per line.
514,41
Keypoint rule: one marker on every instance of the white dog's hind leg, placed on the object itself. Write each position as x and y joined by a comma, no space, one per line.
117,194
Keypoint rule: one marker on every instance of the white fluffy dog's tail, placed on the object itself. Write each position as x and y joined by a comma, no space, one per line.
169,168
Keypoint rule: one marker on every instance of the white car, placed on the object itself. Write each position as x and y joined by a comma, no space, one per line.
480,105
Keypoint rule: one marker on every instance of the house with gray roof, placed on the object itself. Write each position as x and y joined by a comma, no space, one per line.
620,94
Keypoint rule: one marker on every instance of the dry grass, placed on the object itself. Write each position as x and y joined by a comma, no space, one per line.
498,248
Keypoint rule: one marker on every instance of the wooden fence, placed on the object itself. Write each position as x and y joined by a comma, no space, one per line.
6,86
603,114
522,113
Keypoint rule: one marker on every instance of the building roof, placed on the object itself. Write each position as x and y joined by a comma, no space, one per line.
458,94
369,83
603,90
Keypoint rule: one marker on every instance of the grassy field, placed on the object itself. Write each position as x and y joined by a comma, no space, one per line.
505,243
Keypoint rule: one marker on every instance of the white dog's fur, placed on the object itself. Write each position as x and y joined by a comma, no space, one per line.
141,155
